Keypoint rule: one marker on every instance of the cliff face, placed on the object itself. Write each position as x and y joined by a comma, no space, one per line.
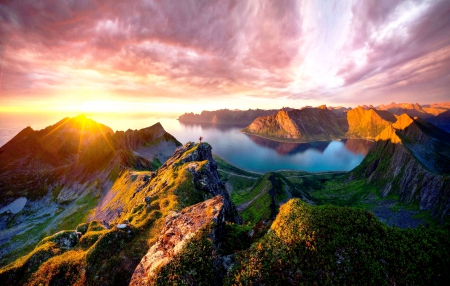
410,159
309,124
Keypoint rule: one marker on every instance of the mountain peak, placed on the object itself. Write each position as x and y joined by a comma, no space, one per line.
403,121
388,134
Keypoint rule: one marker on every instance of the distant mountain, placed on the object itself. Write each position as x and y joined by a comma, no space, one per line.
414,109
367,123
410,159
225,116
299,125
442,120
314,124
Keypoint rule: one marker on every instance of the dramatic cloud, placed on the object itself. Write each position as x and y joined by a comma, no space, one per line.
225,51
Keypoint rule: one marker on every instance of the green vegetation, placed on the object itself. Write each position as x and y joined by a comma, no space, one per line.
108,256
194,265
227,167
340,245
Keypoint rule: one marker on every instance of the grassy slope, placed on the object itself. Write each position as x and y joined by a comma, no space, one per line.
110,256
340,245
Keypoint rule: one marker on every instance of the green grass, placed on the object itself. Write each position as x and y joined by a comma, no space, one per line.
341,245
227,167
240,196
85,205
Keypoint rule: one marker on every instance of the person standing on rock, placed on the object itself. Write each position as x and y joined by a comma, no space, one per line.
201,138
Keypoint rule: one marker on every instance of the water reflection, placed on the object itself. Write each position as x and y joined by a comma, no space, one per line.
208,126
288,148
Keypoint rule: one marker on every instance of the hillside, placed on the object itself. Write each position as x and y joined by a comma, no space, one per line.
334,245
410,159
141,203
61,190
442,121
367,123
225,116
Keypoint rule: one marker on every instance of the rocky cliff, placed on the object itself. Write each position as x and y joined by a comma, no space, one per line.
410,159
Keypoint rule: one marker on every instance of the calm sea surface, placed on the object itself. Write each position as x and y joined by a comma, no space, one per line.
248,152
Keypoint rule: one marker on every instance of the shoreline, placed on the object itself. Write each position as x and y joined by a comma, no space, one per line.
283,140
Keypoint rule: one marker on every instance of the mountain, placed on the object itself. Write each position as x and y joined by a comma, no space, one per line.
63,184
225,116
367,123
442,120
410,159
54,146
314,124
415,109
300,125
169,209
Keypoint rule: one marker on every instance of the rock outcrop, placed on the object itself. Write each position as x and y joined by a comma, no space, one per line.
207,178
178,230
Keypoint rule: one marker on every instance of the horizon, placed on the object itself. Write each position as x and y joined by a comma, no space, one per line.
146,57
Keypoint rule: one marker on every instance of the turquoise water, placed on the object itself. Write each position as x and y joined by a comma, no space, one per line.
261,155
248,152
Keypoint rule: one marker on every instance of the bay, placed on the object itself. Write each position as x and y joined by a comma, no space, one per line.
248,152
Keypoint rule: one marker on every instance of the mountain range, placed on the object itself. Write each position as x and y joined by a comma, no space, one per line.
137,207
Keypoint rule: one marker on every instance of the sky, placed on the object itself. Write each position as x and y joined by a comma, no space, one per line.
183,56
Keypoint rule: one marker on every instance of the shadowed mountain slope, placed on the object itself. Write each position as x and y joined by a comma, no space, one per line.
410,159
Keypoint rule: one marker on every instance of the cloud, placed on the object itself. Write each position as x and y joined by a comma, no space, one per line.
270,49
